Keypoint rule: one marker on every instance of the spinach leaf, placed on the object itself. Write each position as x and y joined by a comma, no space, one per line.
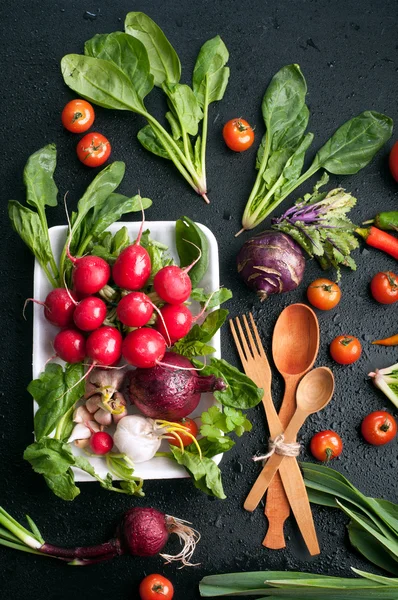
101,82
187,231
185,105
210,75
241,392
41,191
38,177
109,246
63,485
195,342
354,144
284,99
222,295
205,473
55,392
49,456
164,62
127,54
148,138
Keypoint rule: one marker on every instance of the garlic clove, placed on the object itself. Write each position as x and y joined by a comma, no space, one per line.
80,432
81,415
103,417
82,443
93,403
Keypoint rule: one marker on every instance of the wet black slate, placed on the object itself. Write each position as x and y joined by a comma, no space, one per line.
349,55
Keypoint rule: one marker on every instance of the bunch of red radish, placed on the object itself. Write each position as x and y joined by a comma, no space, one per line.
80,312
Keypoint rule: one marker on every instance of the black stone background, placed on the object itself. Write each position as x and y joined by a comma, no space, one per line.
348,52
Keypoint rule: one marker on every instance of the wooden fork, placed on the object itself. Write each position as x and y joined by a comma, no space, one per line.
256,366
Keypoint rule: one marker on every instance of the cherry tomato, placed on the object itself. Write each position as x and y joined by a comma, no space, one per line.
393,161
384,287
77,116
156,587
323,294
93,149
345,349
186,440
238,135
326,445
379,428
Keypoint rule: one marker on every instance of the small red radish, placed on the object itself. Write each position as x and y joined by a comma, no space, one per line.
135,309
59,306
144,347
142,532
90,274
172,284
178,320
133,265
104,346
101,443
89,313
70,345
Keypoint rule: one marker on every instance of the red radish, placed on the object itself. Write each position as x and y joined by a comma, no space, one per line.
169,392
135,309
59,306
133,265
90,274
101,442
178,320
142,532
172,284
144,347
70,345
104,346
89,313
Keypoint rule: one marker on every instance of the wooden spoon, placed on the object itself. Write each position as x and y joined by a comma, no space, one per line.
314,392
295,345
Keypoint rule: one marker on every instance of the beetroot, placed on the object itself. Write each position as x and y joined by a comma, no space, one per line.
142,532
169,392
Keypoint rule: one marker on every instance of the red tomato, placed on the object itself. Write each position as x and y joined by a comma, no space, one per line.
93,149
156,587
238,135
379,428
393,161
326,445
186,439
384,287
323,294
77,116
345,349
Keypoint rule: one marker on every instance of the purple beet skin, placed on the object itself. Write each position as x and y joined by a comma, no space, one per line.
169,392
271,263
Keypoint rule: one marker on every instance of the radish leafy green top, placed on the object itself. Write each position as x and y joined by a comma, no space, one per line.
281,154
118,70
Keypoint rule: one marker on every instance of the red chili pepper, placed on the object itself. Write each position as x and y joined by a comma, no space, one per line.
380,239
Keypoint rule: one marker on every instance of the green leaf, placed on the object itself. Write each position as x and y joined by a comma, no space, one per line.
204,472
55,392
284,99
192,349
164,62
195,342
148,138
63,485
211,448
291,137
217,298
175,126
115,206
101,82
28,226
210,75
294,166
186,106
188,231
354,144
38,178
371,549
241,392
127,54
49,456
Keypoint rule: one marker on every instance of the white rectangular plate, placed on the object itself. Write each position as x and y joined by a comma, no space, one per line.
44,333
